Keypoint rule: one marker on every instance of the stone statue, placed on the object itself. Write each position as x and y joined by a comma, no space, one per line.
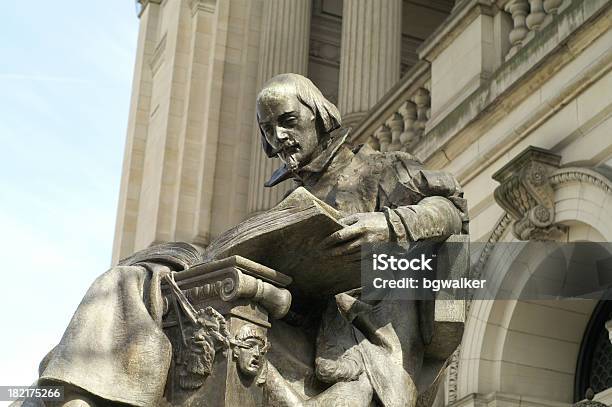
250,347
134,341
377,353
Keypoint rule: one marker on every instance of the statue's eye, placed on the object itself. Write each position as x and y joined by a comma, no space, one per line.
290,121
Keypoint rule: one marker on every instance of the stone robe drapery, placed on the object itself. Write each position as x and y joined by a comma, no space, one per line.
114,346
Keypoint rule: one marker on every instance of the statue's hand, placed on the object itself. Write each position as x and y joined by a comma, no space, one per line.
362,228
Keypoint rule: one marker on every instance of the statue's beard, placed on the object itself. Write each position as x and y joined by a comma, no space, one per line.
290,161
288,156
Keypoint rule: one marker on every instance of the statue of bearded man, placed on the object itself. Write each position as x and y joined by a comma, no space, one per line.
347,350
368,353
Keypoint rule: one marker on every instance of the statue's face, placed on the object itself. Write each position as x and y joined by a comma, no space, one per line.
289,127
250,356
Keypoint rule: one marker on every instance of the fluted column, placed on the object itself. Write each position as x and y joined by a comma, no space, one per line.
283,48
370,56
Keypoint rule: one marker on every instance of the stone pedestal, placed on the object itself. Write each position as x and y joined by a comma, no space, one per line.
240,298
370,57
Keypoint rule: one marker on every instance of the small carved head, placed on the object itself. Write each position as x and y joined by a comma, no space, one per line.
250,347
294,117
203,342
196,360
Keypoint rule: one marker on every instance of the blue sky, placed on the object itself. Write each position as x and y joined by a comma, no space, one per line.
65,81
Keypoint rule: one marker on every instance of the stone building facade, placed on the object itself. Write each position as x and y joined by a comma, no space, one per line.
514,97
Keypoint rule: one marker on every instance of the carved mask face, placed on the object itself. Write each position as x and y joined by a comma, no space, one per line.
289,127
250,356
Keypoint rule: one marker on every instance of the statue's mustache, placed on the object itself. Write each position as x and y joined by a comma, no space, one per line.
289,144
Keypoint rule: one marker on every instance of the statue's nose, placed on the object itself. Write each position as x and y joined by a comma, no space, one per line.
280,134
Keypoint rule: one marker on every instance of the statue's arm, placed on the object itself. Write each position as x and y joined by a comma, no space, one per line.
433,217
412,204
422,204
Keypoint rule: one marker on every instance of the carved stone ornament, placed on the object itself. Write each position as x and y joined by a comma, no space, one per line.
195,359
526,193
210,336
230,334
231,279
249,348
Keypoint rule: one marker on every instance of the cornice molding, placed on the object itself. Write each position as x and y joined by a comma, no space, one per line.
578,174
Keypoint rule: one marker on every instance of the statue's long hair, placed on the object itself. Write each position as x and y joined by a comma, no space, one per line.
326,113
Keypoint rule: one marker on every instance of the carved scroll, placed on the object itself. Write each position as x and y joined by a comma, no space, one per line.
526,193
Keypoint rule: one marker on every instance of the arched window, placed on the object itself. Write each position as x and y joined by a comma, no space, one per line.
594,368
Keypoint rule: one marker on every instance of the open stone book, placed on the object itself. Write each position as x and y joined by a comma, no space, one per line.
287,239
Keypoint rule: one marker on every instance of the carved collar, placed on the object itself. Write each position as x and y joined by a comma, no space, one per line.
316,165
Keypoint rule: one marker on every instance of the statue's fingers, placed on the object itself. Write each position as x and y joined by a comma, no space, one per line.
343,235
347,248
349,220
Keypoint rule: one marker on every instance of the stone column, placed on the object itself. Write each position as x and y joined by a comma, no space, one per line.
370,56
284,44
